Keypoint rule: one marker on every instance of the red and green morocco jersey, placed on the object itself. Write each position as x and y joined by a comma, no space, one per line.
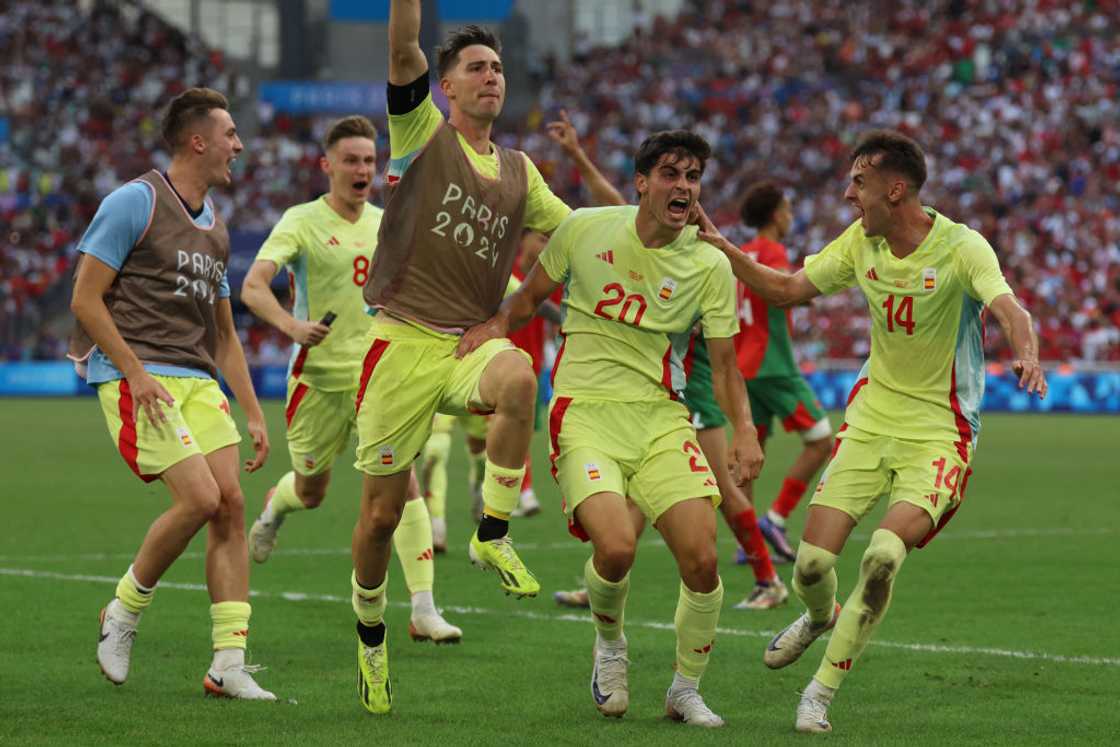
628,309
328,259
763,346
925,377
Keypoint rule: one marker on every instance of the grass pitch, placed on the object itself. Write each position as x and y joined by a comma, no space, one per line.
1001,631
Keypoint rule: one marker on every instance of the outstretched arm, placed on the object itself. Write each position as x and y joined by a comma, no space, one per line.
564,134
774,286
515,311
406,59
1019,330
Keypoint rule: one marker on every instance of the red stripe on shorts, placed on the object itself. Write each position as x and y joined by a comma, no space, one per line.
950,513
126,439
555,423
376,350
836,441
800,420
293,403
297,367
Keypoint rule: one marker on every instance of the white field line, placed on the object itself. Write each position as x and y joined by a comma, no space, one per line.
574,545
296,596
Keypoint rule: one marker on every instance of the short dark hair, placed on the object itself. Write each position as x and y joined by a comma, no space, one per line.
901,154
760,203
187,109
447,55
352,126
680,143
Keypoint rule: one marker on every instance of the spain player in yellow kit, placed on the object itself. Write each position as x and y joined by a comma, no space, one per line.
636,282
325,246
456,207
913,415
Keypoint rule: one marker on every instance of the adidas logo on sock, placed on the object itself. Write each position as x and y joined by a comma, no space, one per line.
845,665
426,555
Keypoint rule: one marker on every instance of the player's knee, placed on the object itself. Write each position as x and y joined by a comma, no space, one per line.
812,564
519,389
380,519
879,567
699,570
312,496
205,504
615,559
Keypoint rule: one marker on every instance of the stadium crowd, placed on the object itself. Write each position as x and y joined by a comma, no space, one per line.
1015,101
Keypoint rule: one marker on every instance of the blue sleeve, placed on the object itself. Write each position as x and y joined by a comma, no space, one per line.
223,289
119,223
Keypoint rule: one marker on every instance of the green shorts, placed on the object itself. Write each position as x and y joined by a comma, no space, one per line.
198,423
645,451
408,375
866,467
792,402
320,426
699,396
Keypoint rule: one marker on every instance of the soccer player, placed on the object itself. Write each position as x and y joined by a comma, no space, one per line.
637,280
151,298
447,242
325,246
776,387
913,415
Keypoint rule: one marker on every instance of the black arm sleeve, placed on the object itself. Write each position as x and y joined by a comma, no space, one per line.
403,99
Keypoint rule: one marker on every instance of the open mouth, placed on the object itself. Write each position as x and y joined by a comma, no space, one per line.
360,185
678,207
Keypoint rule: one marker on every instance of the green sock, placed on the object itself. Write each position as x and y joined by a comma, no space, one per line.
865,607
608,601
230,624
369,604
501,489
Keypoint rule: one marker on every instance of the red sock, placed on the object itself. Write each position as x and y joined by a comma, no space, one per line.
527,480
745,526
787,500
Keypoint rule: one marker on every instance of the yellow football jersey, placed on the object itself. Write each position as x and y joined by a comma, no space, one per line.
629,310
328,260
925,377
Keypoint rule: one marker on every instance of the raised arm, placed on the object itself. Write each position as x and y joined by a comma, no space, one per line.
256,292
406,59
231,362
774,286
1019,330
518,308
564,134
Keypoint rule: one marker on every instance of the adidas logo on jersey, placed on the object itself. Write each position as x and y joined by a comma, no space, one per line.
607,256
333,242
871,274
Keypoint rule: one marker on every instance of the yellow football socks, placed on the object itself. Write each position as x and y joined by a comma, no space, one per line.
608,601
501,489
133,597
814,581
369,604
284,501
230,624
865,608
696,619
413,544
433,461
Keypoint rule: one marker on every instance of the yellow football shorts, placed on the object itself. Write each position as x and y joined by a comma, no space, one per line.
408,375
198,423
646,451
320,426
865,467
